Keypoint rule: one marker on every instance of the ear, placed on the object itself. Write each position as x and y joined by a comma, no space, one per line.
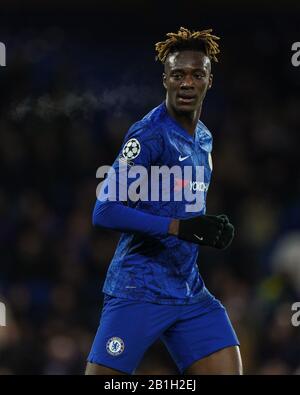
165,80
210,81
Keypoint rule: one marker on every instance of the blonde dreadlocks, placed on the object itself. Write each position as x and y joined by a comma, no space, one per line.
185,39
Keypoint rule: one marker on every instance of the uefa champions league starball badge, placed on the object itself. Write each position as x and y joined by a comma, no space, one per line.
131,149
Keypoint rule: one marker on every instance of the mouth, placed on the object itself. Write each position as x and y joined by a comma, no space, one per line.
185,98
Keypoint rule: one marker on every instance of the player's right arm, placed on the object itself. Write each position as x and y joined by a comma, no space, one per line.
115,214
207,230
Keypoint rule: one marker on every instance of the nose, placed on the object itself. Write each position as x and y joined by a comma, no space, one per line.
187,82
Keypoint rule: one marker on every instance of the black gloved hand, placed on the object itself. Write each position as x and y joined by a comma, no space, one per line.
227,234
207,230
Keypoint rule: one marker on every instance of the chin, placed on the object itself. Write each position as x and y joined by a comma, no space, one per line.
185,108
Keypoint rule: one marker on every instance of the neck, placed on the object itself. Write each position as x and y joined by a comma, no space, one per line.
187,120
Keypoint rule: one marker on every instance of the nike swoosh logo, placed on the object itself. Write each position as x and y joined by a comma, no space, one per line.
181,158
199,238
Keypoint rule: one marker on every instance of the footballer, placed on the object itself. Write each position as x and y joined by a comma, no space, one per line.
153,289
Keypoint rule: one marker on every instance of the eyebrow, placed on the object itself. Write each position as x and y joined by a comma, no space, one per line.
178,69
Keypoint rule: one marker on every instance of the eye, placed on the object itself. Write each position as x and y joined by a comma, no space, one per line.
177,76
199,76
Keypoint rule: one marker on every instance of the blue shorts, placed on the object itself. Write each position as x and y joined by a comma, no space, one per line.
190,332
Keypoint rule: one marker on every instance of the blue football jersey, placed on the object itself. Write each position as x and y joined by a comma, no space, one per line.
161,269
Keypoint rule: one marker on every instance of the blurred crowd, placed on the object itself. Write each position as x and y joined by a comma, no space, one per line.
65,107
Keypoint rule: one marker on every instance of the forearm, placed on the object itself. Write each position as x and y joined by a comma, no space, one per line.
117,216
174,227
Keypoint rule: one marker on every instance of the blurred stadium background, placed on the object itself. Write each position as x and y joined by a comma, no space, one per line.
77,76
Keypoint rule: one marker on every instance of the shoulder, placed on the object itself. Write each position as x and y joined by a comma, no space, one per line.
150,127
205,137
144,140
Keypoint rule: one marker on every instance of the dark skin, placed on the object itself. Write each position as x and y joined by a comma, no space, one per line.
224,362
187,78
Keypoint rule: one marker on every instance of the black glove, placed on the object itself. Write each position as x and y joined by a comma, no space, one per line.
227,234
207,230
